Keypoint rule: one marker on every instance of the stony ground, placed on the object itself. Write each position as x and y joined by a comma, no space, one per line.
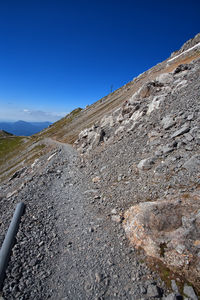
71,244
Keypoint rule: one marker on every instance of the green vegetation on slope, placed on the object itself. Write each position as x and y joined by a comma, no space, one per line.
8,145
16,151
4,134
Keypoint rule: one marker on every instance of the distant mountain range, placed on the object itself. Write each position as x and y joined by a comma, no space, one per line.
23,128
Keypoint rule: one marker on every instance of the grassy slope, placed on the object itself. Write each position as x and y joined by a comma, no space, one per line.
16,152
4,134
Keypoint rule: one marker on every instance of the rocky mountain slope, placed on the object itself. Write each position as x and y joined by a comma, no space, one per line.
119,218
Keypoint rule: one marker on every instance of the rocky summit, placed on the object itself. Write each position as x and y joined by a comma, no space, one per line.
116,214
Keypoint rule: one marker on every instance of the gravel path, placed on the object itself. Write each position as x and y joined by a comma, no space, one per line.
69,246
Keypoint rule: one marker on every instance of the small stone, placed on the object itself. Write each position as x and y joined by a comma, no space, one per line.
171,296
98,277
119,177
114,211
116,218
168,122
188,291
193,164
145,164
153,291
188,137
188,148
143,290
181,131
96,179
174,286
197,243
180,249
190,117
11,194
167,149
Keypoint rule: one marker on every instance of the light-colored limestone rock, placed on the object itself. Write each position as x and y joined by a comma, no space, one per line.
167,230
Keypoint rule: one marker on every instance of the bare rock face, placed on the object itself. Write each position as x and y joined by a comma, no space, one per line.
169,230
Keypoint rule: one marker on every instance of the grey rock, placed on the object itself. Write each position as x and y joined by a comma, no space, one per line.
188,147
167,149
174,286
190,117
120,177
165,78
116,218
188,137
167,122
143,290
114,211
153,291
146,164
171,296
189,291
193,164
181,131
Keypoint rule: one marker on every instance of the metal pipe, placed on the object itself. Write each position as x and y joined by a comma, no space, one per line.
9,241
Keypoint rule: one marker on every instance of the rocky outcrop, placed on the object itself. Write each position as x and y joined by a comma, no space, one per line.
169,230
137,109
153,140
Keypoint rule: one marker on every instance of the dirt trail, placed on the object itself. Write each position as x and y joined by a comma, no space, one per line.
68,246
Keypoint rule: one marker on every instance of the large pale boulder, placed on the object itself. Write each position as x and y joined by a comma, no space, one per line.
169,230
165,78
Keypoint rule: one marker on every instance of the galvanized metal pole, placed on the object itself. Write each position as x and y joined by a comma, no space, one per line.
9,241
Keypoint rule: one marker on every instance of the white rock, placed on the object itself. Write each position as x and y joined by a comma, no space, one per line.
11,194
165,78
83,133
145,164
116,218
35,162
96,179
120,129
136,115
114,211
167,122
51,156
134,98
107,120
155,103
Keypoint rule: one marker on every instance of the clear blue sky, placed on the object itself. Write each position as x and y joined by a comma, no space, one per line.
59,55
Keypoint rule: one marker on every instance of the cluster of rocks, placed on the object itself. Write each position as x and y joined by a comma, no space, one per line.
134,112
148,151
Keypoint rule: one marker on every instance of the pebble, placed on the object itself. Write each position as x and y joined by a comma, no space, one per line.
116,218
